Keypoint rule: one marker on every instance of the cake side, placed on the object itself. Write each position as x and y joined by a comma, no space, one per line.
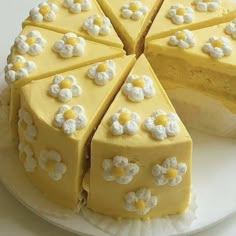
131,159
85,19
54,136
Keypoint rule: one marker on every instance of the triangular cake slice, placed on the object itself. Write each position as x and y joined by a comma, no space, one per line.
140,153
200,62
177,15
58,116
85,19
39,53
131,20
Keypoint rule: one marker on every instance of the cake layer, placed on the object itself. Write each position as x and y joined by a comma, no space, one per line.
58,116
34,64
67,16
140,153
132,20
191,16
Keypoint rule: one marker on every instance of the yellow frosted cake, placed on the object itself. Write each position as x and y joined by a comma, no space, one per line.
92,122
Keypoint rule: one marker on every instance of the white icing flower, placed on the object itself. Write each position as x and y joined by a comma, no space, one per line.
76,6
180,14
101,73
70,118
4,104
97,25
136,88
124,122
134,10
50,161
169,172
218,47
44,12
32,43
162,124
19,68
182,39
209,5
27,157
141,201
119,169
231,29
26,121
70,46
64,88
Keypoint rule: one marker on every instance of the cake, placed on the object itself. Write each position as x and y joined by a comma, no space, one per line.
95,125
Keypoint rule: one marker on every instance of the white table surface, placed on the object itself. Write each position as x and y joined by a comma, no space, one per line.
15,219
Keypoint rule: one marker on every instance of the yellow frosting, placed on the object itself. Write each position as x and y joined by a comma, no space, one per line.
143,150
163,26
71,148
131,32
68,22
50,63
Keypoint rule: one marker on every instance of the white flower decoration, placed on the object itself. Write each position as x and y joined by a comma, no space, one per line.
64,88
97,25
169,172
26,121
32,43
136,88
76,6
70,118
119,169
231,29
4,104
124,122
134,10
70,46
210,5
180,14
182,39
141,201
101,73
218,47
44,12
27,157
50,161
19,68
162,124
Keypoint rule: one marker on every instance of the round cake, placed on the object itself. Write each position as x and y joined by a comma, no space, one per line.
87,109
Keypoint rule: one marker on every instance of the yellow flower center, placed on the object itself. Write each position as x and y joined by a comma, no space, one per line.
161,120
206,0
98,21
118,171
124,117
71,41
78,1
140,205
133,7
102,67
18,65
70,114
171,173
31,40
180,11
50,165
44,10
217,43
139,82
23,157
180,35
65,84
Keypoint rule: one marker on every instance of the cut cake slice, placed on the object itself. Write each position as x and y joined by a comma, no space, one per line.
190,15
60,17
137,153
59,150
131,20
